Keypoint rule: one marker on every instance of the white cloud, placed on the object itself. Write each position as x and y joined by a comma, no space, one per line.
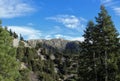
117,10
14,8
59,36
48,37
106,1
112,4
30,24
69,37
27,32
78,38
31,33
69,21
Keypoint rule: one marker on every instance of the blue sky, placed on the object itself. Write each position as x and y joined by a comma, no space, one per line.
46,19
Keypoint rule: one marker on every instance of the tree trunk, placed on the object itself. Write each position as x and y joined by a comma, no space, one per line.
106,67
95,67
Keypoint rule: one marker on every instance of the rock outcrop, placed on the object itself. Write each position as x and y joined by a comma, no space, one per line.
59,44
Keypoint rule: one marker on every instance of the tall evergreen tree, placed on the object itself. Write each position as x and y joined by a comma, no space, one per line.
107,40
87,57
100,50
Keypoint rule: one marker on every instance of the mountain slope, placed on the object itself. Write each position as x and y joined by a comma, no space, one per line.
60,45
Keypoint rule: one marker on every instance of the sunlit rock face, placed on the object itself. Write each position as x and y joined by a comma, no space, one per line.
15,42
59,44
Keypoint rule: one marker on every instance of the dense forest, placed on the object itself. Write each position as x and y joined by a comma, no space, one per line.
97,58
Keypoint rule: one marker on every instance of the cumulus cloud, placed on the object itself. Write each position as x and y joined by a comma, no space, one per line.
69,21
27,32
14,8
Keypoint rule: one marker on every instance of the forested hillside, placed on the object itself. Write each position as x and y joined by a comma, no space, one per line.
97,58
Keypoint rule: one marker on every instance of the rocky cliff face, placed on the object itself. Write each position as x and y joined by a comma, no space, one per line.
59,44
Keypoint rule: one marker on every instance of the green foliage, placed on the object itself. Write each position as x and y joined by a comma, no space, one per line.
38,45
21,44
13,34
20,53
99,50
0,23
24,75
9,67
72,48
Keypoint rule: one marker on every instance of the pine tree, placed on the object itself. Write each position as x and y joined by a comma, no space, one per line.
11,33
8,65
87,57
107,40
21,38
100,50
15,35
